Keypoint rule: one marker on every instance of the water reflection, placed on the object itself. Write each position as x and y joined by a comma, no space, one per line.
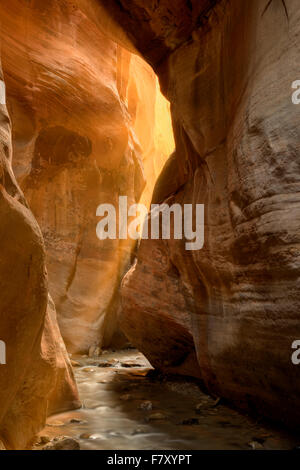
124,407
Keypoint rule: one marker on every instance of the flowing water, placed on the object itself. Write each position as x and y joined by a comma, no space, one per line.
125,407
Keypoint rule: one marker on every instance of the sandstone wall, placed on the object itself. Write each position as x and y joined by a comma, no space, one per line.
83,112
37,378
227,68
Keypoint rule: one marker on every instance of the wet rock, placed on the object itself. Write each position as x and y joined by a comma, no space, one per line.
146,406
126,397
94,351
255,445
56,424
91,404
138,431
65,443
77,421
106,364
199,408
157,417
130,364
85,435
114,434
44,440
140,373
75,363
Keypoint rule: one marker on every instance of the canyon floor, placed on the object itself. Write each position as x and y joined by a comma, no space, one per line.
127,407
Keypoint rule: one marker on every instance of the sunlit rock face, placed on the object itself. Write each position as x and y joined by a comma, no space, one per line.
151,119
228,75
37,378
83,112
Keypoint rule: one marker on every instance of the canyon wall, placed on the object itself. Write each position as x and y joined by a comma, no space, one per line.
83,111
228,313
37,378
227,69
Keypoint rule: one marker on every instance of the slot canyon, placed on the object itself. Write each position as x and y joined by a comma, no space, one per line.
122,343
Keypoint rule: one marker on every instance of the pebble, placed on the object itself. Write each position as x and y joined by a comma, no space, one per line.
77,421
114,361
65,443
146,406
255,445
56,424
137,431
199,408
126,397
114,434
94,351
75,364
44,440
90,404
156,417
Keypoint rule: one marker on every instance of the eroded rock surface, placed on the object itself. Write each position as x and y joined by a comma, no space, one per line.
37,378
83,111
228,75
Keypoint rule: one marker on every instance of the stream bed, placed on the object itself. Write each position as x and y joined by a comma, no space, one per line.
127,407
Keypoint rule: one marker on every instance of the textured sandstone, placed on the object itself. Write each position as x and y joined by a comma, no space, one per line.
228,76
27,317
83,111
155,316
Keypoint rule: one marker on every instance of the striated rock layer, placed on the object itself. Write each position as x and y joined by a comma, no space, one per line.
37,378
83,111
227,68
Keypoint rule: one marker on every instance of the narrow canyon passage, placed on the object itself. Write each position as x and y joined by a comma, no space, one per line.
126,406
188,105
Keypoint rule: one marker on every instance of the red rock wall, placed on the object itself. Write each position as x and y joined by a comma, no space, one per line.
228,74
37,378
77,101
